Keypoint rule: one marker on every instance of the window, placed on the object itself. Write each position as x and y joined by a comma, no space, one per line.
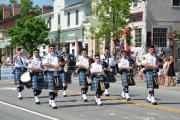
49,22
138,37
134,4
178,53
175,2
159,37
59,19
68,19
77,17
44,46
136,17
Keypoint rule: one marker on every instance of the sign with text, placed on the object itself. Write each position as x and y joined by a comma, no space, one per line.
6,73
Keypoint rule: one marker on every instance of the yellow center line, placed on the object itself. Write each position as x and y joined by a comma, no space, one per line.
140,104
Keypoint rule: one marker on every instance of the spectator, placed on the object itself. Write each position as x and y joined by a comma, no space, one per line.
171,72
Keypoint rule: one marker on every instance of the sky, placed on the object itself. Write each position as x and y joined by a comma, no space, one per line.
35,2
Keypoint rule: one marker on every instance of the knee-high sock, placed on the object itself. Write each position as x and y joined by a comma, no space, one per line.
126,89
107,85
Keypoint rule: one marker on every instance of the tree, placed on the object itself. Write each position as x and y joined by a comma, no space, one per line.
29,32
1,12
111,16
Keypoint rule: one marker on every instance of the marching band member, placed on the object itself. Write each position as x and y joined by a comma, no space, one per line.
109,69
151,69
126,75
83,66
97,73
63,76
20,61
51,78
35,66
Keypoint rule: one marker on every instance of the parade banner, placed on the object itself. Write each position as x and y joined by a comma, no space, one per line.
6,73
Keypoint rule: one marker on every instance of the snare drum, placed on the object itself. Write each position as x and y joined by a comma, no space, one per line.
26,79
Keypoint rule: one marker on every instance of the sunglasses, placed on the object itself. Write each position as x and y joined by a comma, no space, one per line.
97,58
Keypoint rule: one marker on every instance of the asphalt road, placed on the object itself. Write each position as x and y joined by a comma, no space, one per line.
73,108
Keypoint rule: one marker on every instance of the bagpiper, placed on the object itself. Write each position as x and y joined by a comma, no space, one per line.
83,68
52,76
126,73
151,70
36,73
108,64
98,77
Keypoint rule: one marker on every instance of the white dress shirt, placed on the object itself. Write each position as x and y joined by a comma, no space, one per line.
51,59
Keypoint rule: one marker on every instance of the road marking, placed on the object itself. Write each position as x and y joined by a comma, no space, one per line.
30,111
8,88
140,104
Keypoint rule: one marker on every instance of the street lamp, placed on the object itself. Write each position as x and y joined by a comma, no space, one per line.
58,38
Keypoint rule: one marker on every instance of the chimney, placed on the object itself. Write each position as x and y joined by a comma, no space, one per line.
6,12
16,9
45,9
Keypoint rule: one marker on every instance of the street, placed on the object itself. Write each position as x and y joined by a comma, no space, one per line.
73,108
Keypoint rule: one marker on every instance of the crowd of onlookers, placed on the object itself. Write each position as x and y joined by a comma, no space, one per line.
166,72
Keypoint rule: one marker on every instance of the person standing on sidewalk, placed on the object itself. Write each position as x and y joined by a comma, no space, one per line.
151,69
20,61
83,68
171,72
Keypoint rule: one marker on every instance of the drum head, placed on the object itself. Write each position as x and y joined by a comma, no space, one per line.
25,77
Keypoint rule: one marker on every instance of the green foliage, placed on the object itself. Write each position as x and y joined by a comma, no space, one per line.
26,6
111,16
1,12
29,33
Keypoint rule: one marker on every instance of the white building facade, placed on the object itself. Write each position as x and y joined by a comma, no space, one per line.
151,21
66,24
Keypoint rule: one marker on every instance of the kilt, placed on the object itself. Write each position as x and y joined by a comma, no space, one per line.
37,81
82,78
94,84
124,78
17,74
151,78
68,77
52,82
109,77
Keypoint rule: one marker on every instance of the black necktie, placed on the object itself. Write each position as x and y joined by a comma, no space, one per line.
21,60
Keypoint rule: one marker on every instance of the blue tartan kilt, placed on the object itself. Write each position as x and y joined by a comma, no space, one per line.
17,74
109,77
37,81
52,82
94,84
68,77
150,76
82,78
127,78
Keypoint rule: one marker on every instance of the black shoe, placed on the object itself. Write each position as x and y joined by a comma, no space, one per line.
54,107
64,95
154,103
107,95
38,103
20,98
128,99
85,100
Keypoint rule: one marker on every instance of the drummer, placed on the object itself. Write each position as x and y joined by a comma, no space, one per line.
125,70
97,70
20,61
35,67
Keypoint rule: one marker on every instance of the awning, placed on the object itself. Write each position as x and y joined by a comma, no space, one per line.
3,44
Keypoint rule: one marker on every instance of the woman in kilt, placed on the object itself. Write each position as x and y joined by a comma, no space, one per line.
36,73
